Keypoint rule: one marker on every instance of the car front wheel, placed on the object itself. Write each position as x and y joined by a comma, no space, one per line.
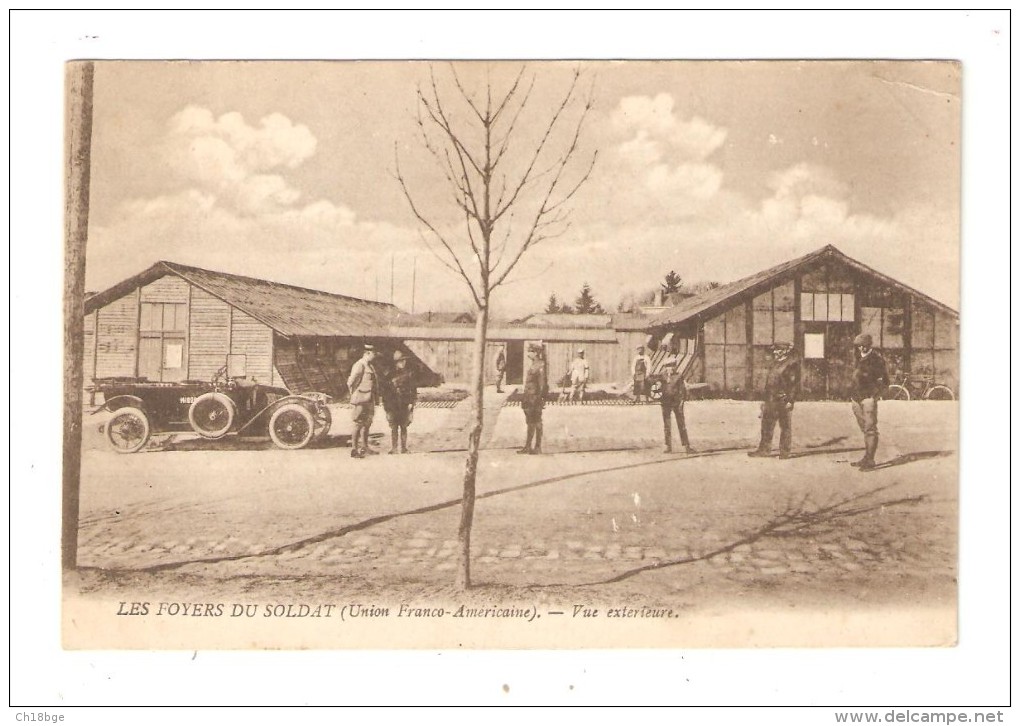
291,426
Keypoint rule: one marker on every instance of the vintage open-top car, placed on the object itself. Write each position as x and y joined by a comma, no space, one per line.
230,403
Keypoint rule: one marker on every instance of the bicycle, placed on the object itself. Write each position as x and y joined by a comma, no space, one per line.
924,388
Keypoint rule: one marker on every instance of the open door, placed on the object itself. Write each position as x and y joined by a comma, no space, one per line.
515,363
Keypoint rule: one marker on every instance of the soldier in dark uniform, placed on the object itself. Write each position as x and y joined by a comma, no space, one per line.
399,396
500,369
870,381
781,384
535,389
674,393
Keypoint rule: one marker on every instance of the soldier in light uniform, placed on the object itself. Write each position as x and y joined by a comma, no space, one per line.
580,371
363,383
781,385
870,381
399,396
535,389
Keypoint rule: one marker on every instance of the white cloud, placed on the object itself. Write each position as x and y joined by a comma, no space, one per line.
694,139
665,154
229,158
239,212
697,181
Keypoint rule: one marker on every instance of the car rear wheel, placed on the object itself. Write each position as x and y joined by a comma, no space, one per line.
128,430
291,426
212,414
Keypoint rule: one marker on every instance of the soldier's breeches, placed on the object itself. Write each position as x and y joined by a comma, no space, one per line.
866,413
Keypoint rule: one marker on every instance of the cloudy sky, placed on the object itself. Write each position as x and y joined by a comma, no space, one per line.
713,169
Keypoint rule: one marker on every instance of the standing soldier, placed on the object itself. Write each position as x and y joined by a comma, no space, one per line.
674,393
363,383
640,369
870,381
399,396
535,388
579,374
781,386
500,369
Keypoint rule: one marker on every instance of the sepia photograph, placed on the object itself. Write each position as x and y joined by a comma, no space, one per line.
503,348
654,358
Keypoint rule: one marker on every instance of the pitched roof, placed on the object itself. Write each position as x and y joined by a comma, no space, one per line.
287,309
709,302
565,320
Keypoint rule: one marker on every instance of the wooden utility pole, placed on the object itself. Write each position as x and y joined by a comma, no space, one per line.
78,144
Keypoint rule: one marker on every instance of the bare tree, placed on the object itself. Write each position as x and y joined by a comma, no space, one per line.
496,166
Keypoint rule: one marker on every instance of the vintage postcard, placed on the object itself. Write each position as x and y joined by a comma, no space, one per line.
512,354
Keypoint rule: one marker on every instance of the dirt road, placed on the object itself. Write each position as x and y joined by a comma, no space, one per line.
603,518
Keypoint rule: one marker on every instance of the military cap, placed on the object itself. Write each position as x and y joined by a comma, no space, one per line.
863,339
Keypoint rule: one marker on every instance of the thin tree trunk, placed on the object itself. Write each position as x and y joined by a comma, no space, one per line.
76,221
467,509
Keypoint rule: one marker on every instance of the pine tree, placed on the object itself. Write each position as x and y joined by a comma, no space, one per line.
672,283
585,304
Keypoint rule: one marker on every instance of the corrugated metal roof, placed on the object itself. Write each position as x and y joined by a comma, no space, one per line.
287,309
706,303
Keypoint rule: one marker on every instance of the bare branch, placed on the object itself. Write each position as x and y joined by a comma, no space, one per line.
442,240
445,164
541,146
506,240
464,93
582,180
438,116
508,135
548,206
509,95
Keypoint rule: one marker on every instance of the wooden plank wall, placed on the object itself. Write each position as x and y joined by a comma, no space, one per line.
167,289
254,340
209,335
90,348
609,362
117,338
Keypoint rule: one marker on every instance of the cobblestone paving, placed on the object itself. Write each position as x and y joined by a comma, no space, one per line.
429,550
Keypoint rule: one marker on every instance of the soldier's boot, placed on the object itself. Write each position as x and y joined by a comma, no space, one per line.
760,451
538,439
870,448
393,440
527,445
356,443
403,440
